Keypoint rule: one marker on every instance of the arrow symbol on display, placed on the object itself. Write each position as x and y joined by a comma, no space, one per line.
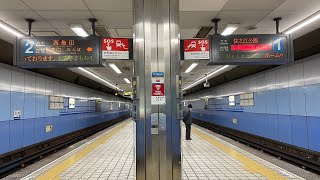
89,49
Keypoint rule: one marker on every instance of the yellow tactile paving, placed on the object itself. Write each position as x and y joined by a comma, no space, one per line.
55,171
250,165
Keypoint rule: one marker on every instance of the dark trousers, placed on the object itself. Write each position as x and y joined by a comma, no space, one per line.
188,131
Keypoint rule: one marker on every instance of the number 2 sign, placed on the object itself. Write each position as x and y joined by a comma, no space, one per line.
29,47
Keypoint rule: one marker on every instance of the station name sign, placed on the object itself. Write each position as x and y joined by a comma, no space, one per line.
251,49
57,51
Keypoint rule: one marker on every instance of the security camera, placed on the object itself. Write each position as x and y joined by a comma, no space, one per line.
206,84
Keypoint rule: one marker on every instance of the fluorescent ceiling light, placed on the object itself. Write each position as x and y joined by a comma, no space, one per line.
204,78
126,80
192,66
115,68
229,29
10,29
101,79
303,23
78,29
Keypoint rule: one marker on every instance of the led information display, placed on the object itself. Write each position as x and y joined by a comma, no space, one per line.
251,49
48,52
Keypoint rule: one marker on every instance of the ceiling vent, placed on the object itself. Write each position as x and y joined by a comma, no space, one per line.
45,33
204,31
102,31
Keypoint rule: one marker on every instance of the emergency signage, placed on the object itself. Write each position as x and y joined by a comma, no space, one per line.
115,48
57,51
196,49
251,49
157,89
158,95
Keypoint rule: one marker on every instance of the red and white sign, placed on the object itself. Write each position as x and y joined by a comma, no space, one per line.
115,48
196,49
157,89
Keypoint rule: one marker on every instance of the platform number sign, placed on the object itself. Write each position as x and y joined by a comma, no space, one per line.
29,47
278,45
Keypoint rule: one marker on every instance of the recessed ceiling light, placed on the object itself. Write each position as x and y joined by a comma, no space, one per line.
191,67
204,78
10,29
115,68
78,29
101,79
229,29
126,80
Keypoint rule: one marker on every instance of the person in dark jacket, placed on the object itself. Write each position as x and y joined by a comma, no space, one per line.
188,121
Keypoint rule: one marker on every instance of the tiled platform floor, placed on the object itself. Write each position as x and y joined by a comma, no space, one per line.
202,160
114,159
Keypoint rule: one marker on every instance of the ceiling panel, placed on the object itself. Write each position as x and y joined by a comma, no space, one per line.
113,33
22,24
44,33
36,31
240,30
18,15
300,5
64,24
188,33
109,5
289,18
67,32
244,18
262,31
12,5
255,5
125,32
65,15
56,4
114,20
194,20
202,5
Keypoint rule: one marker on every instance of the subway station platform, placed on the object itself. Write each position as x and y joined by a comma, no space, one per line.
110,155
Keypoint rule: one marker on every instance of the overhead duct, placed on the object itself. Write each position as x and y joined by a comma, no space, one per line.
204,31
102,31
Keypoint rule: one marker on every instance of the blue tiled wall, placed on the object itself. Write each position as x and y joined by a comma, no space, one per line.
29,92
286,104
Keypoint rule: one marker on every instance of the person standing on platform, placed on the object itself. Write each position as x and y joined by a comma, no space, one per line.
188,122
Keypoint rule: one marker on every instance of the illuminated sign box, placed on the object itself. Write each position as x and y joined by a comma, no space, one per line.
251,49
116,49
57,51
195,49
